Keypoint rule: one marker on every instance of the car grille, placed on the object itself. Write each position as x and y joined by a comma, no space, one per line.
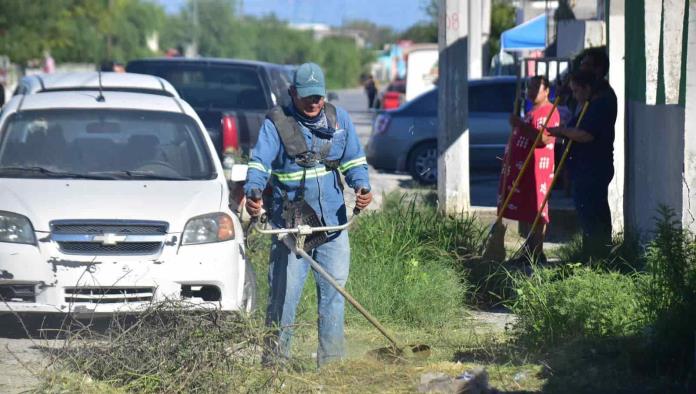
109,237
77,228
97,248
108,295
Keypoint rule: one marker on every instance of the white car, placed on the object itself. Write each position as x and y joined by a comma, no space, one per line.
110,201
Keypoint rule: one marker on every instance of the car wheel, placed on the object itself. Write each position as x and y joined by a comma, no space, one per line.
249,295
422,163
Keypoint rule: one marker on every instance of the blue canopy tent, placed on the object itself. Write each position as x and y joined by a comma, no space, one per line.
529,36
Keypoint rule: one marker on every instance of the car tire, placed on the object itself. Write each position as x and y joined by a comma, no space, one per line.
422,163
249,294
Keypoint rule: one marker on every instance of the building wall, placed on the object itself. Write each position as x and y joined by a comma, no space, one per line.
660,148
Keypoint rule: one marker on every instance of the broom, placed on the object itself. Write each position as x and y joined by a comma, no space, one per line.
494,246
553,181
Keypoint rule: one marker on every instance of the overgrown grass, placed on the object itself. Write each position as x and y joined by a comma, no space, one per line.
643,321
559,304
403,257
626,254
669,296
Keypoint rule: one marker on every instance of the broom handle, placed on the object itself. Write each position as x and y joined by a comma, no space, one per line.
556,174
526,162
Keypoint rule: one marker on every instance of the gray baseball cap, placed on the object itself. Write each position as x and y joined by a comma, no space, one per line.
309,80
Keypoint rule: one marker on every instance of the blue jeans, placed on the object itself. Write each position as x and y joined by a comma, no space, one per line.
286,276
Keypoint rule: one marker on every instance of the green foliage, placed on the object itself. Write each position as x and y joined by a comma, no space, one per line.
422,32
75,30
626,254
405,257
556,304
669,298
376,36
402,258
502,18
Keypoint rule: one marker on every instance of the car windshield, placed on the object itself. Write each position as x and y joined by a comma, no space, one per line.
104,144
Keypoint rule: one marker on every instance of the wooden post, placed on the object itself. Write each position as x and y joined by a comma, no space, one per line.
453,114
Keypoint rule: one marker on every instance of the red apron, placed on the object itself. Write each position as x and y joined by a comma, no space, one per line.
536,180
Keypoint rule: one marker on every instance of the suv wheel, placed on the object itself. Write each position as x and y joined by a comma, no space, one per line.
422,163
249,296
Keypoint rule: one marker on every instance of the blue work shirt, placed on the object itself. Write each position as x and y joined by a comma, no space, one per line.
323,189
595,159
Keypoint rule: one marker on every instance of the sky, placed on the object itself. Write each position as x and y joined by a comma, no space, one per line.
397,14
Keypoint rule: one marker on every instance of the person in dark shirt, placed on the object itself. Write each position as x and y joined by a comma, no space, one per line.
591,159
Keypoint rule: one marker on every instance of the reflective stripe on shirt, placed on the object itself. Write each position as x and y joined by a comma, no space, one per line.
315,172
258,166
353,163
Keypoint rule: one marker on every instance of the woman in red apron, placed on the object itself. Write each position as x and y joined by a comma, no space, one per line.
535,182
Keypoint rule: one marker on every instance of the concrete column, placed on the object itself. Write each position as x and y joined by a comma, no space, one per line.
617,72
653,16
689,176
485,34
453,133
475,41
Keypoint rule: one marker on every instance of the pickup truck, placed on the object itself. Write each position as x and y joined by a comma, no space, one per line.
230,96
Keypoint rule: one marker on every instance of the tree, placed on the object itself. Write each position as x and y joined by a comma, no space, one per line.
77,30
376,36
502,18
422,32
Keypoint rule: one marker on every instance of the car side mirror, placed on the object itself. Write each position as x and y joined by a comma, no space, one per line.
332,96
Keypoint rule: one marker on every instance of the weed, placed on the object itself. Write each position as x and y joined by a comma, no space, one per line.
402,258
669,296
626,254
556,304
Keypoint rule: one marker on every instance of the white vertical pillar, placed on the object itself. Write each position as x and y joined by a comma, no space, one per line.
475,42
616,46
453,133
485,34
689,175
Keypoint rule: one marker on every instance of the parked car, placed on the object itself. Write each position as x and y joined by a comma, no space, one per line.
393,96
230,96
112,201
405,139
92,80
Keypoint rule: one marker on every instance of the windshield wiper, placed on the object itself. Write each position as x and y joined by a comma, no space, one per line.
142,175
36,170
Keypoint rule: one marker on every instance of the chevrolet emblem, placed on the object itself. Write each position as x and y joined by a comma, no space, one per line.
109,239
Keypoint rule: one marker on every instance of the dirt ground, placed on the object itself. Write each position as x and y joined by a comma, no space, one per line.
22,360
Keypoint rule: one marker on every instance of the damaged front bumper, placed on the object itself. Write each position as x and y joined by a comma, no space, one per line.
42,279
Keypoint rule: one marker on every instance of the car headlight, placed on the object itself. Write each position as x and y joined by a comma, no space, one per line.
214,227
15,228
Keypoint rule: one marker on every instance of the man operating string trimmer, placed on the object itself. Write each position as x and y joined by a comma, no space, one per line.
302,148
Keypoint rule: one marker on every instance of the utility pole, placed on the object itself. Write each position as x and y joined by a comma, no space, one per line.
475,42
453,113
